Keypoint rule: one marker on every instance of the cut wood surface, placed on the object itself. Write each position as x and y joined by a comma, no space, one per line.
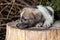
13,33
56,25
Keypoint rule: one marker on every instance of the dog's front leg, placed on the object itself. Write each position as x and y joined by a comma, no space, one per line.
48,22
39,25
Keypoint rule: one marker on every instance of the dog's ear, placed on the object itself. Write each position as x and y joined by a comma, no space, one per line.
37,15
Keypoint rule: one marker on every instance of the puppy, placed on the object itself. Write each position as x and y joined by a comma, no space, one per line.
31,16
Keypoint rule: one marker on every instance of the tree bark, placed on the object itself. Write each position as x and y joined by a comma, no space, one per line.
13,33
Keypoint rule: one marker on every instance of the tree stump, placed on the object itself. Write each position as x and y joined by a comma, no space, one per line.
13,33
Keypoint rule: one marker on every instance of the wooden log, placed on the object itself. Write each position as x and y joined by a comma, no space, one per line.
13,33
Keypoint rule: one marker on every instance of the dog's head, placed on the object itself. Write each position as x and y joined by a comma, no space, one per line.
29,17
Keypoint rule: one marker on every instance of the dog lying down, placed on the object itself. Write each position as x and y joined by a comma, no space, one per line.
43,16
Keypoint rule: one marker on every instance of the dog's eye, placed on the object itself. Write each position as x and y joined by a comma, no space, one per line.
25,19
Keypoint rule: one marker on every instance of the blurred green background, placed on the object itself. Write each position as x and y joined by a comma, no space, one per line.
53,3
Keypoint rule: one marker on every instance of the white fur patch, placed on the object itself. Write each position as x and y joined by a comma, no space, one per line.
48,18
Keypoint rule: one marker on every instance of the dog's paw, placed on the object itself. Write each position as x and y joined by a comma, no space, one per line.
47,24
39,26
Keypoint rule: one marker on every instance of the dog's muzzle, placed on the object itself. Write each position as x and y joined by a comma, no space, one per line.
22,25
